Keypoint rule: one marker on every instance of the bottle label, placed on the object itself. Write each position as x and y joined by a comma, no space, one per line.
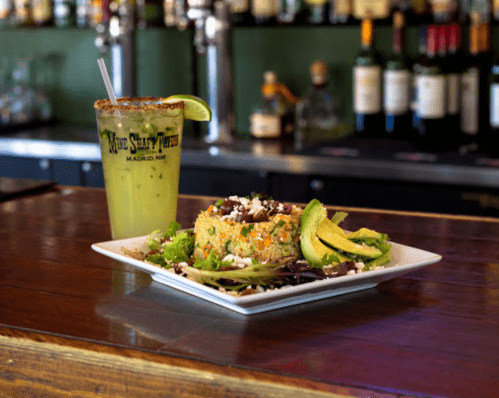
265,126
397,92
453,85
367,89
494,105
431,97
469,101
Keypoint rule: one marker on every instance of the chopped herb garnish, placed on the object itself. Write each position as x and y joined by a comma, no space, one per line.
247,229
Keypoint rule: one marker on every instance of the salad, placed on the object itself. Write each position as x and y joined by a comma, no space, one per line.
326,251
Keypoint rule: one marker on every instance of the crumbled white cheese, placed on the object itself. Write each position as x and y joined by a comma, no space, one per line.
238,261
360,266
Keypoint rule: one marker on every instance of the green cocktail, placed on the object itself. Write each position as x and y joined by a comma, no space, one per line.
140,141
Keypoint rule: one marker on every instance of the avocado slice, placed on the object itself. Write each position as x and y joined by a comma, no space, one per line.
365,233
326,231
312,248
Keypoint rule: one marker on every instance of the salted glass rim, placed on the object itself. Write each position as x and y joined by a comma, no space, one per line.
145,104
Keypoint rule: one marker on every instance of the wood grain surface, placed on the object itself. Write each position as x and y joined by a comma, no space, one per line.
75,323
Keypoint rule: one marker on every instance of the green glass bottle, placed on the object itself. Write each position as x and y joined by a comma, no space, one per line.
367,86
396,79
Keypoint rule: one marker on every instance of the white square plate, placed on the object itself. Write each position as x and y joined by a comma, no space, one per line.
404,259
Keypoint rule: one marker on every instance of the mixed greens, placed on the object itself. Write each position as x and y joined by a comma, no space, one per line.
327,249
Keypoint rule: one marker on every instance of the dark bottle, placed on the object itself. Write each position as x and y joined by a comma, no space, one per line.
65,13
396,80
454,69
470,91
416,67
485,67
367,86
432,107
493,137
41,10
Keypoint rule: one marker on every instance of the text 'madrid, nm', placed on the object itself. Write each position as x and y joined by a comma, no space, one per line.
142,147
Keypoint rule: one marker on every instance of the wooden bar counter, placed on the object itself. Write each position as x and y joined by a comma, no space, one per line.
74,323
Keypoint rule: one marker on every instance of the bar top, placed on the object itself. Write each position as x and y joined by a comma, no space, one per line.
347,158
75,321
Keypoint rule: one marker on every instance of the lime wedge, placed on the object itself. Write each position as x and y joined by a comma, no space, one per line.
195,108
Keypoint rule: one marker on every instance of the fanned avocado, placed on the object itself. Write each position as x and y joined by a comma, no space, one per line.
312,248
365,233
327,232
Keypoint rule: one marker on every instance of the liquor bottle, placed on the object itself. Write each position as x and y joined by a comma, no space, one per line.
22,13
340,11
273,118
443,10
41,11
291,12
149,13
454,70
6,12
82,13
99,12
316,114
416,67
65,13
265,12
240,12
493,136
367,86
316,12
485,66
470,90
397,85
432,97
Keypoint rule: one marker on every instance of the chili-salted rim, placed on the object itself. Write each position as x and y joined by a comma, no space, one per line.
106,105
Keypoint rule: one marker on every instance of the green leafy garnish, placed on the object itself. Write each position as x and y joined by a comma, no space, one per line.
181,247
247,229
211,263
172,230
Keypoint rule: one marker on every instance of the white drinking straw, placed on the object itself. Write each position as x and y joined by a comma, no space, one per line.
107,81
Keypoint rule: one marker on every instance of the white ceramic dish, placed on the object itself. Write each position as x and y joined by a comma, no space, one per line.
404,259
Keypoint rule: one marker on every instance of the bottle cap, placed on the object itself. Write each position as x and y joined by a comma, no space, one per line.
318,72
270,77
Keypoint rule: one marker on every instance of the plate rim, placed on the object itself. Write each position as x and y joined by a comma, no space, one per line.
269,300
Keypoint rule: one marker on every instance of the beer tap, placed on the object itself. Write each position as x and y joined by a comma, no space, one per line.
117,34
212,39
